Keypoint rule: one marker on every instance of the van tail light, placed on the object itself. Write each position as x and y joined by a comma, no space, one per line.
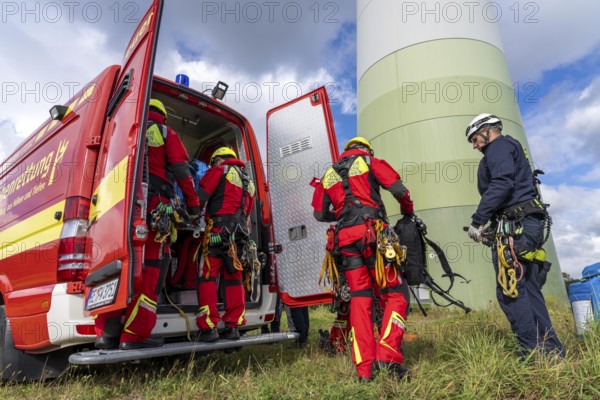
72,242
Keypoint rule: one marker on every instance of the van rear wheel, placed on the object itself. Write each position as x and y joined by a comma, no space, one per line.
16,365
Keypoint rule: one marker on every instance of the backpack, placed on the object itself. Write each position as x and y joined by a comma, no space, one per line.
412,233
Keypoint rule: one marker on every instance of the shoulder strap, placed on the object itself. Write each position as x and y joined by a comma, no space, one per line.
342,168
245,182
435,288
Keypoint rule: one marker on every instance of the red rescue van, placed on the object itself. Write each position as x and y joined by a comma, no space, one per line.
73,211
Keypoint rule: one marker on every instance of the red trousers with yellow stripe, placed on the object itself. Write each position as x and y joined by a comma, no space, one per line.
140,315
365,350
235,298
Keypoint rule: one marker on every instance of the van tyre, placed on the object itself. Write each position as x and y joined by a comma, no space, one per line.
18,366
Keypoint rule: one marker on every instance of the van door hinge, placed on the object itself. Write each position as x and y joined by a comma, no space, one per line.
93,142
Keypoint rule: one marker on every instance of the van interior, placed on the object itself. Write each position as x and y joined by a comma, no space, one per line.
204,125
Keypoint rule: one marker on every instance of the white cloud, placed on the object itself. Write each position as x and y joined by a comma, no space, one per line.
253,94
45,62
576,228
564,134
564,129
540,36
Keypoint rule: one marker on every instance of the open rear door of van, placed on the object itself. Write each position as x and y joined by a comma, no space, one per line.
117,227
301,145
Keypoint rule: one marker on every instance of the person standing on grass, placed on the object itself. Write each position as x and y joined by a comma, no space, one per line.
509,195
351,187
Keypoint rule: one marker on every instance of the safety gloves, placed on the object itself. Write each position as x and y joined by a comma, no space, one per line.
475,232
194,213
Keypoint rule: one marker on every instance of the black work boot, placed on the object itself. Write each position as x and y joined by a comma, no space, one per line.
208,336
106,343
394,369
146,343
230,333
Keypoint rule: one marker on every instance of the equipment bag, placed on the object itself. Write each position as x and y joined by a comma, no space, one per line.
412,233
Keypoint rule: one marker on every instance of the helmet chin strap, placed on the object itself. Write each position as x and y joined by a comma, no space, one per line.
486,138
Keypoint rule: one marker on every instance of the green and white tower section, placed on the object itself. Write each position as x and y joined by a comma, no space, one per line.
425,70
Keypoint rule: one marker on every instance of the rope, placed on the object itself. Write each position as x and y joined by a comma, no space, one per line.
204,246
329,278
232,252
180,311
507,270
383,245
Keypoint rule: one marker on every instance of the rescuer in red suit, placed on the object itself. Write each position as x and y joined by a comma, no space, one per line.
167,162
228,193
351,187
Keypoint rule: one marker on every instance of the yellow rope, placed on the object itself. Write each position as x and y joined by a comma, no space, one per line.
507,275
232,252
205,244
184,315
330,273
380,265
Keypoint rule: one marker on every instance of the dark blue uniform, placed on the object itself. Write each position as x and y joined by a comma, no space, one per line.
504,179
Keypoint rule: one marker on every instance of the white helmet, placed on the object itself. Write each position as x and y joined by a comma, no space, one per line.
480,121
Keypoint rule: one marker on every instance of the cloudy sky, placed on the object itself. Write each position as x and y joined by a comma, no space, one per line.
270,52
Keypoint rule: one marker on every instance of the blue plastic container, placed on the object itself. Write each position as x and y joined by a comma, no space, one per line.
591,271
591,275
580,296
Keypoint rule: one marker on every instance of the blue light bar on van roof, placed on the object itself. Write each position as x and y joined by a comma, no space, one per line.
182,80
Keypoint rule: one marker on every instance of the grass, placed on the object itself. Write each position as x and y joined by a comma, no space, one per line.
454,356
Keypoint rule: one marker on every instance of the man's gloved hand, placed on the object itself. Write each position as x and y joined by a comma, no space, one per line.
193,212
475,232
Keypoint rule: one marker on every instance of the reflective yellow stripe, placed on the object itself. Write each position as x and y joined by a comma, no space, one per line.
241,320
39,229
145,302
355,349
395,318
205,311
111,190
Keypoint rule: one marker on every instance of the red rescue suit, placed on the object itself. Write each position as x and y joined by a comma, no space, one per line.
356,203
229,197
167,161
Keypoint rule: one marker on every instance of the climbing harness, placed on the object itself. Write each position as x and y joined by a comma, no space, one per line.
168,217
510,224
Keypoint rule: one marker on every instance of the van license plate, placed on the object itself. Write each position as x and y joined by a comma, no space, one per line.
102,295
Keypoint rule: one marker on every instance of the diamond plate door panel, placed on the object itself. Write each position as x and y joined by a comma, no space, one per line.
299,141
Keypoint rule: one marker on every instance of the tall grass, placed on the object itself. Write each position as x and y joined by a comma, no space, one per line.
454,356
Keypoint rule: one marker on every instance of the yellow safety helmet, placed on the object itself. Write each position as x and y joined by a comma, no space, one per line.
159,106
361,141
222,152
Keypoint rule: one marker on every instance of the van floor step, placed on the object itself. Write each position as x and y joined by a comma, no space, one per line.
98,357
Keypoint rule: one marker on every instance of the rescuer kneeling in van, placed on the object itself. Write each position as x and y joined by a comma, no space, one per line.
165,153
228,193
352,187
510,198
